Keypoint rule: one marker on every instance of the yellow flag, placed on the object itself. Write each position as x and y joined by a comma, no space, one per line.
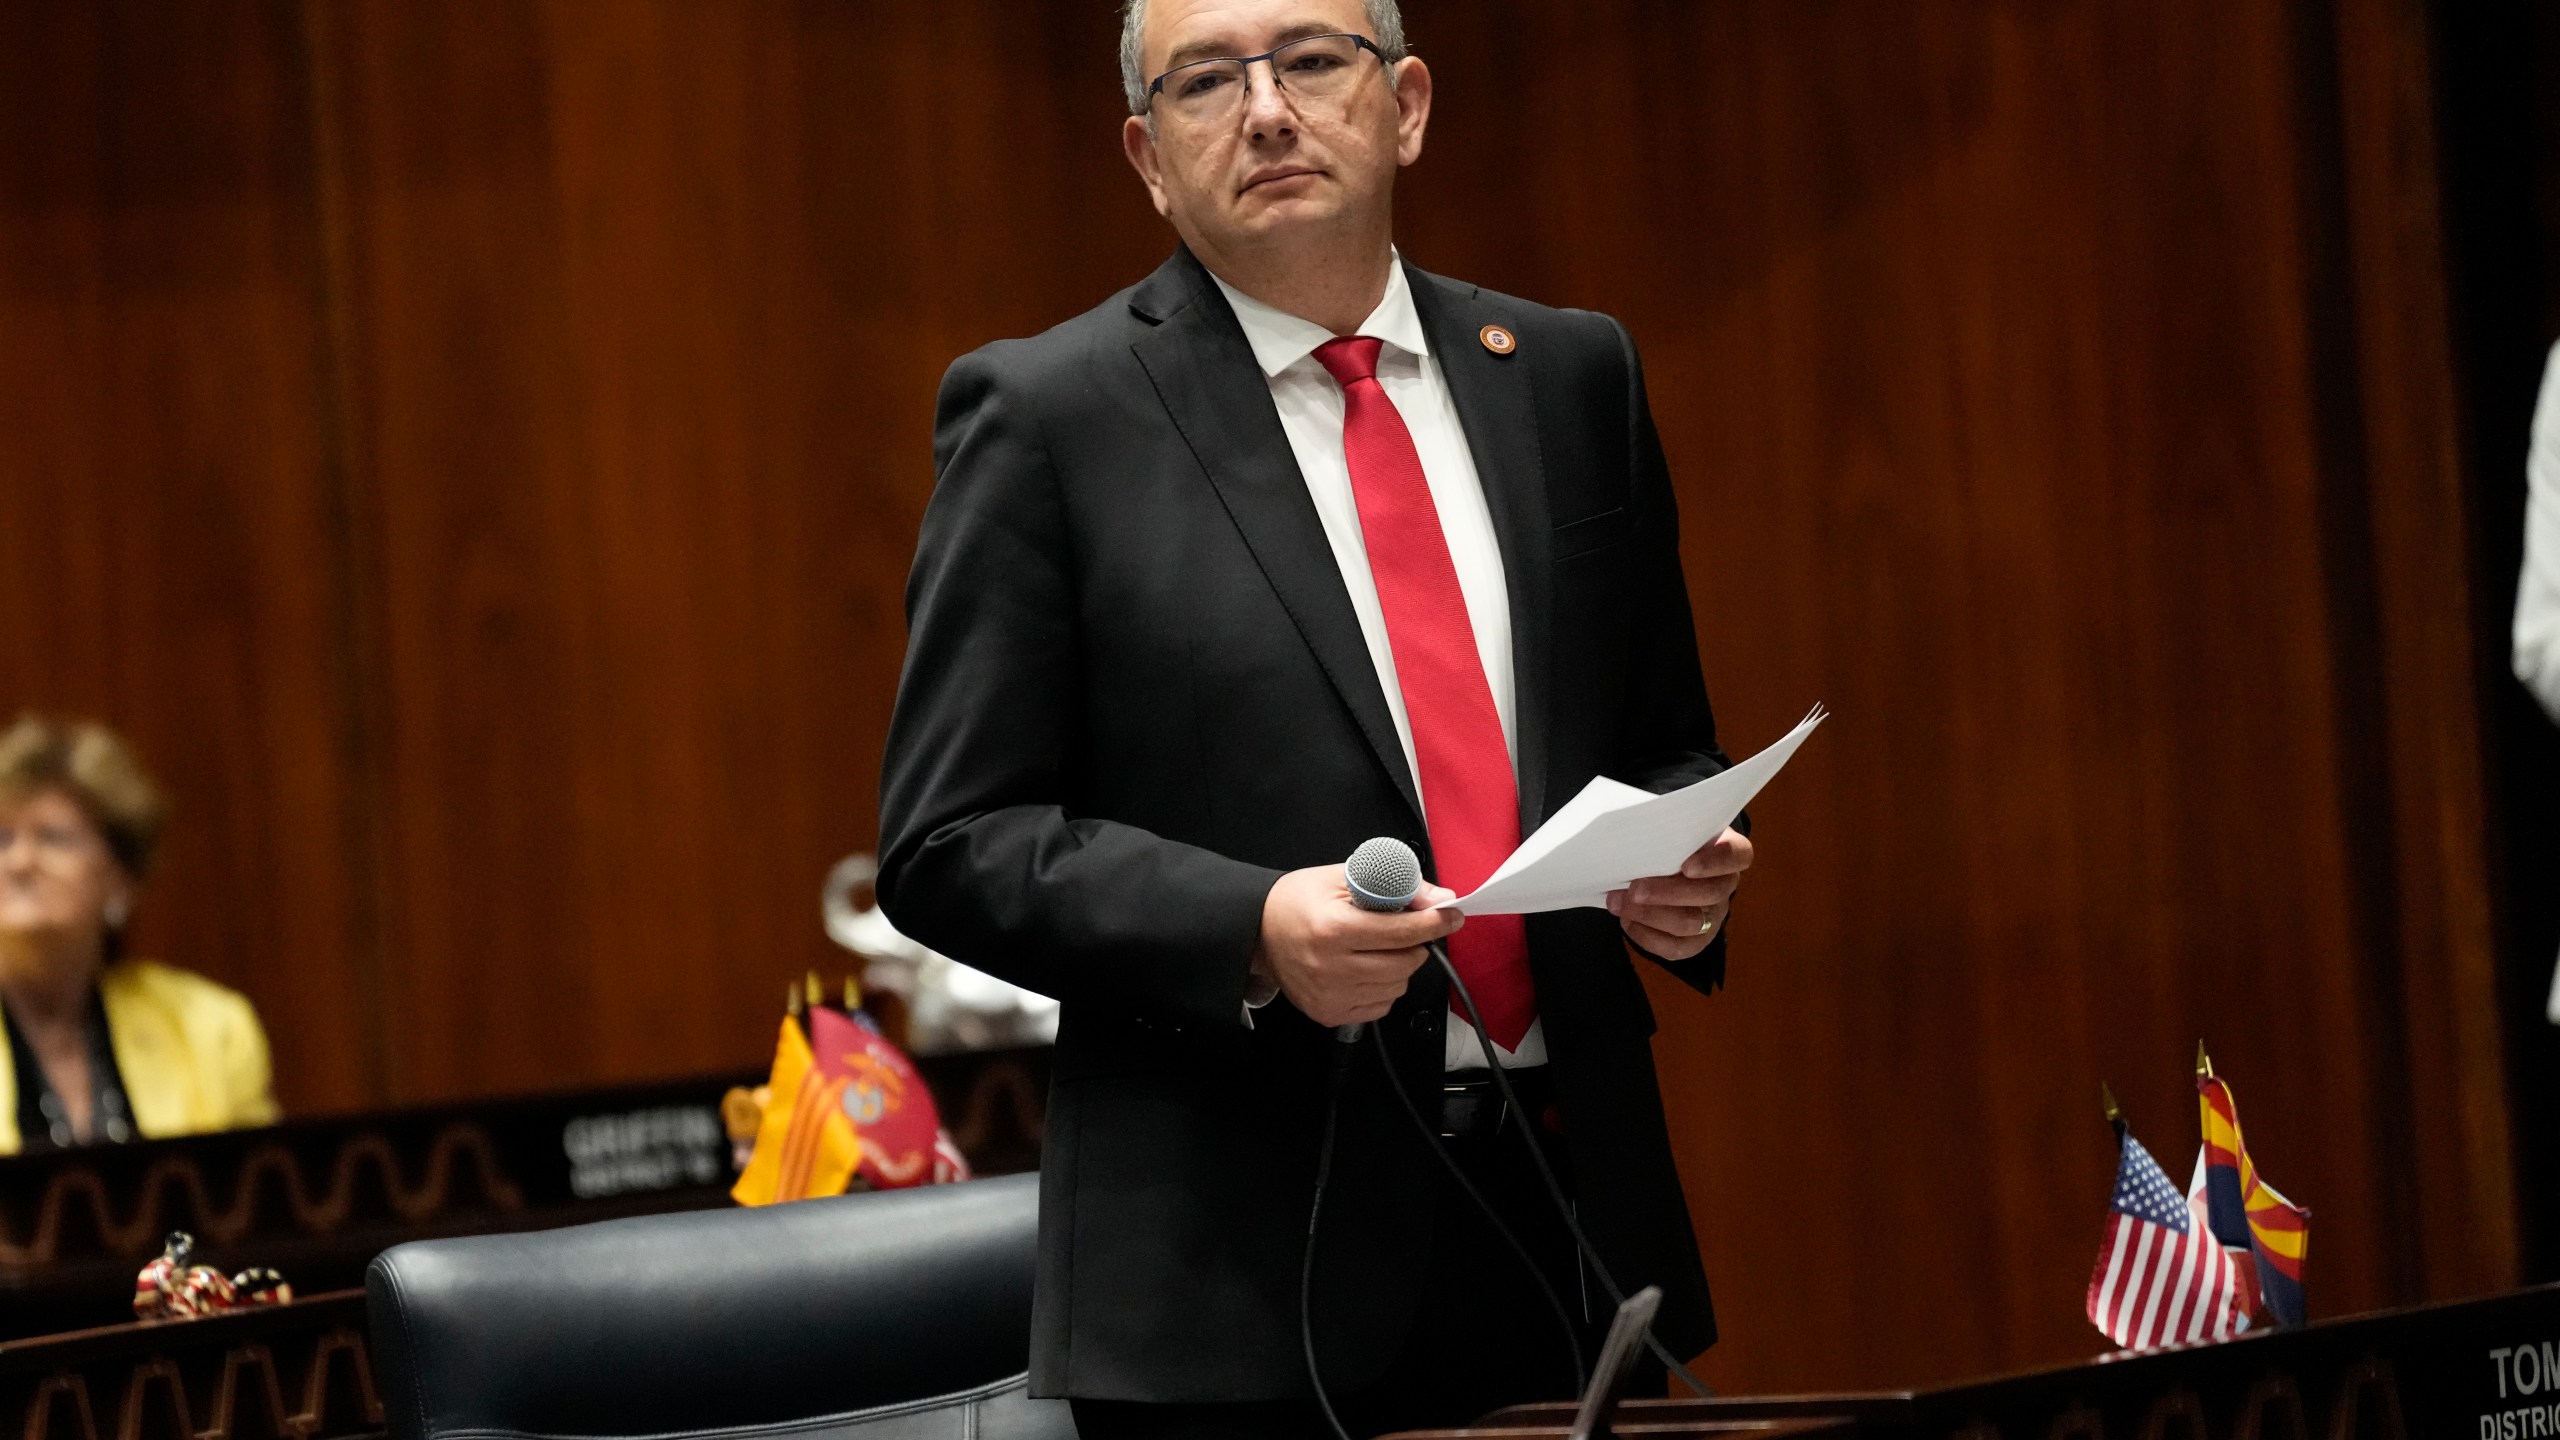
806,1144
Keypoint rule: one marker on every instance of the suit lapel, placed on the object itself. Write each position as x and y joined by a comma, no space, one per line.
1205,373
1498,410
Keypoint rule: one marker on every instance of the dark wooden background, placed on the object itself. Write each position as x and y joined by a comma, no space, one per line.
474,449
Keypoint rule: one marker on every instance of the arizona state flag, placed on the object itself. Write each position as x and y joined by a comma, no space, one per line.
806,1144
2244,1209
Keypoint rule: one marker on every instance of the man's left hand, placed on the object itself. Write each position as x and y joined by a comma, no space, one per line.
1676,916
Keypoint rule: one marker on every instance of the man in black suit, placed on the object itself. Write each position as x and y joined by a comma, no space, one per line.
1289,546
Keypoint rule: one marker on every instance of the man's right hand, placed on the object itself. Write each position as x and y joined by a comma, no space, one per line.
1340,964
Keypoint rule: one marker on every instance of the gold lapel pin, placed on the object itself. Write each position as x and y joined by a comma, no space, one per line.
1498,340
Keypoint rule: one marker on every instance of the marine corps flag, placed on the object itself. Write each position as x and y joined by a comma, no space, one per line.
897,1129
805,1145
2245,1209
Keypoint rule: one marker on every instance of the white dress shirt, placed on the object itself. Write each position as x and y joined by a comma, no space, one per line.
2537,625
1310,406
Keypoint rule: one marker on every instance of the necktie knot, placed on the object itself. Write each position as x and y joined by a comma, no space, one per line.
1350,358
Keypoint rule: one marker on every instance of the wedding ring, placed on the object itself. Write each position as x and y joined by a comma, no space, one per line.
1707,924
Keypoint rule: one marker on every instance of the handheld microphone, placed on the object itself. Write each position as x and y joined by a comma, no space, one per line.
1384,875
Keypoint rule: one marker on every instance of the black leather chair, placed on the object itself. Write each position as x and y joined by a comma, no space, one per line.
894,1316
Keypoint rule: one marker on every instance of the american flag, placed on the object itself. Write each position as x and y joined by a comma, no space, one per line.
2161,1277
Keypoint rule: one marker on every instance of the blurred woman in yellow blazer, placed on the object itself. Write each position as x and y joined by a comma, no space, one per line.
102,1048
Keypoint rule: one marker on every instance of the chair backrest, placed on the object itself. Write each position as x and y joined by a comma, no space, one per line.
903,1313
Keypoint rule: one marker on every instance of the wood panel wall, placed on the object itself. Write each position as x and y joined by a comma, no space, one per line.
474,449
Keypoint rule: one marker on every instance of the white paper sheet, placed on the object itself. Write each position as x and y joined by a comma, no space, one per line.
1613,833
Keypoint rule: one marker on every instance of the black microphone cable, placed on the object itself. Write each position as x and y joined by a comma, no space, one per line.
1315,1214
1391,869
1546,1173
1440,1151
1383,876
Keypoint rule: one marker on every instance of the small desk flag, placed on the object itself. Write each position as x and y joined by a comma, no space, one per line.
2160,1278
806,1144
895,1124
2245,1211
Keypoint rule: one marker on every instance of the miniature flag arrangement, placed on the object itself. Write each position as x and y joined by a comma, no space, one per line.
844,1110
2205,1265
2161,1278
171,1288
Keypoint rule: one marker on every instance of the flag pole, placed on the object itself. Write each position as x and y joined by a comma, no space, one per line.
2115,1112
2204,1062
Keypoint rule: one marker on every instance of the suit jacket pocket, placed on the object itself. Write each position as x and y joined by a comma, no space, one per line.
1591,532
1097,1043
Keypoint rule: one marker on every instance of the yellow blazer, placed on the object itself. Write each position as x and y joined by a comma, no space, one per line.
193,1054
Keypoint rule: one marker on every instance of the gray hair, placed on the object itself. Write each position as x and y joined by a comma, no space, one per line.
1384,18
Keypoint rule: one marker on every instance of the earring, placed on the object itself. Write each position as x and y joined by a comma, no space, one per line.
118,909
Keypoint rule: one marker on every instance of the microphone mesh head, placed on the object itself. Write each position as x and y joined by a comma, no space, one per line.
1384,874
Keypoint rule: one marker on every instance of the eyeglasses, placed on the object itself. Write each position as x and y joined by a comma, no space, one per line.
1316,70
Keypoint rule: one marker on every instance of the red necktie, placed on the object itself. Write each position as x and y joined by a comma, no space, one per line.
1469,797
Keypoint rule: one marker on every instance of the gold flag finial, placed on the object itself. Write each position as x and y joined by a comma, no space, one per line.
2107,1097
2204,1063
791,999
852,994
817,991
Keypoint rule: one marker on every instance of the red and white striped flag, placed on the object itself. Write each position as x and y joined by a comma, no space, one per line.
2161,1277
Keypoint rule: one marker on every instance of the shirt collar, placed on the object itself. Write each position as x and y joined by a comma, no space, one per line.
1280,339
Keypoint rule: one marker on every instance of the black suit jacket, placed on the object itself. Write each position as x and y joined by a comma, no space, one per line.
1135,693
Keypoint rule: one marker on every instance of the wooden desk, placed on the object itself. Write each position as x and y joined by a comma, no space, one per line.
291,1372
318,1199
1812,1427
2485,1369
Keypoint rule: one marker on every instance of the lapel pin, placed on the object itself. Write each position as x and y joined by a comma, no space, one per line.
1498,340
